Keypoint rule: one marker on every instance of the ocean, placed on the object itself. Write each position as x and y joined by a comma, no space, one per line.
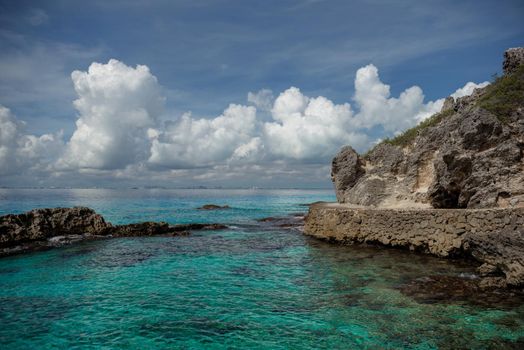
255,285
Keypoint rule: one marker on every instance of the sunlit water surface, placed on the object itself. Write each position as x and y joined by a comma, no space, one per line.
253,286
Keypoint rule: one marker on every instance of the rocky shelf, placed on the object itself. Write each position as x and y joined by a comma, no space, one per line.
493,237
451,186
51,227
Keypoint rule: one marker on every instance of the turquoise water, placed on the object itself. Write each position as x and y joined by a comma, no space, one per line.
253,286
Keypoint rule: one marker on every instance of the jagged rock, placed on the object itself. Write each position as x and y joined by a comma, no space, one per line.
140,229
449,104
40,224
345,171
41,228
502,250
470,157
513,58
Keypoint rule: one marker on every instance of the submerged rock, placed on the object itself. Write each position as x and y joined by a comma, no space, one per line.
461,289
213,207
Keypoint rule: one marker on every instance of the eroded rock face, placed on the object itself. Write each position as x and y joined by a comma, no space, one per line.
471,158
41,224
346,169
513,58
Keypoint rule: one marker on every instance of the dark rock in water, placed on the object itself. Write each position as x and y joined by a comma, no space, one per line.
467,156
460,289
268,219
213,207
45,228
197,226
292,221
309,204
40,224
140,229
501,251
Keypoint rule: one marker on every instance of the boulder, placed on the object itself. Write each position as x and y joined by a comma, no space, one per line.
346,169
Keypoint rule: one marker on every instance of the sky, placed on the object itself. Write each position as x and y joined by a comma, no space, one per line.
228,93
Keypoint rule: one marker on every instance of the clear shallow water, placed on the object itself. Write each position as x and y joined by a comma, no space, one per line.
254,286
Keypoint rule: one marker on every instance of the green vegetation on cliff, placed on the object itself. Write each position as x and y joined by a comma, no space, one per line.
501,97
504,95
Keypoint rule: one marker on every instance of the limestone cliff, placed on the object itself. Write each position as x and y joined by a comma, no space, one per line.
470,155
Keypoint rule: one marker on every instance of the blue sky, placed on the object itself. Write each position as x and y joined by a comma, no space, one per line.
209,54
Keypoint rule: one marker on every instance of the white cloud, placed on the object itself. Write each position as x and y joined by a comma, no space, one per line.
377,107
19,151
262,99
190,142
307,128
467,89
116,104
119,134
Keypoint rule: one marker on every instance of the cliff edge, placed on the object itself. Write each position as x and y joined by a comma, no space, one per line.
470,155
453,186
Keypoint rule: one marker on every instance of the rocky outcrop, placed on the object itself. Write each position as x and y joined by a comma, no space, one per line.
41,224
493,237
470,155
213,207
513,58
453,186
346,169
41,228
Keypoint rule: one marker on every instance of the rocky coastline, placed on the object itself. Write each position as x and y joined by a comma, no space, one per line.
46,228
453,186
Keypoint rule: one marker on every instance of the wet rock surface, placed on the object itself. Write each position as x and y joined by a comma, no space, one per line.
52,227
492,237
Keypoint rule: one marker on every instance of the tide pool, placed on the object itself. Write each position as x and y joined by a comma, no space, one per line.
252,286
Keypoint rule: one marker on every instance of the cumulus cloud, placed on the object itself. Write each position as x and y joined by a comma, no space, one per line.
117,104
467,89
262,99
305,128
20,151
377,107
192,142
122,130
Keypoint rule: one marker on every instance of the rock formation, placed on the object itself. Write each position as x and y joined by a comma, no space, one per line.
470,155
493,237
213,207
467,159
42,228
